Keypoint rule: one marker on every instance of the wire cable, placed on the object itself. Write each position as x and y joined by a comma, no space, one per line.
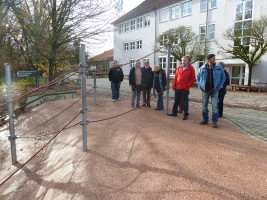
39,150
55,81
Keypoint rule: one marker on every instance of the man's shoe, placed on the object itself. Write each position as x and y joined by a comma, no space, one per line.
215,125
158,109
118,99
148,105
113,100
180,111
172,114
185,117
203,123
220,116
144,105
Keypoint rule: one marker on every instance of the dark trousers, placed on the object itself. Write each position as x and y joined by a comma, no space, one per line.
220,104
177,99
115,88
181,104
160,101
146,96
136,92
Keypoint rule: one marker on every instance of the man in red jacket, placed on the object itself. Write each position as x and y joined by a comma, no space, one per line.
184,79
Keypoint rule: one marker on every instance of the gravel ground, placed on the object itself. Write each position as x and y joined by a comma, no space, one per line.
141,155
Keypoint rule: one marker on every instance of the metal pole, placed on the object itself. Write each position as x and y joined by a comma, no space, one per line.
84,110
168,77
206,31
94,88
12,137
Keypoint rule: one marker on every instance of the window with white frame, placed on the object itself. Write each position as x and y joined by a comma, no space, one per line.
121,28
174,12
126,46
146,20
126,27
211,32
244,10
202,33
163,15
163,40
187,8
163,62
203,5
139,22
139,44
243,21
173,65
132,63
132,45
213,3
132,25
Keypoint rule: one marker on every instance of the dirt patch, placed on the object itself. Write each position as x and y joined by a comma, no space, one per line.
142,155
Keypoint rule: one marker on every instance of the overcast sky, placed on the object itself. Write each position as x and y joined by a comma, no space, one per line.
127,6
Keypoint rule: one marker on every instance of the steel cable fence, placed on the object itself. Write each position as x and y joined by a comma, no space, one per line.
103,85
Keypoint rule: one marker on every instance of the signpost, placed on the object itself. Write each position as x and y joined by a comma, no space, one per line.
25,74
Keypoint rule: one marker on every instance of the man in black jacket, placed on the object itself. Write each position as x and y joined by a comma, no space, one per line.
115,76
222,91
147,83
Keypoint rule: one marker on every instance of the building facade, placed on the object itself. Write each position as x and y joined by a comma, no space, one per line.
136,33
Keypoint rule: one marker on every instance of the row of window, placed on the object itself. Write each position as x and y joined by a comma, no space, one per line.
202,34
138,23
133,45
175,12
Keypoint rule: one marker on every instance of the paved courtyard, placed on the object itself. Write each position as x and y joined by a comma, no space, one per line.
248,111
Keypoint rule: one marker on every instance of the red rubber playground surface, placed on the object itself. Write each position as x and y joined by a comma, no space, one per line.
142,154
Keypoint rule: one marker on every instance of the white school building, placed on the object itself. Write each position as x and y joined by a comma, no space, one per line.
135,32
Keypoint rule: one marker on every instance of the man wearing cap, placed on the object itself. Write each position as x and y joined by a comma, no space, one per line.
210,78
184,79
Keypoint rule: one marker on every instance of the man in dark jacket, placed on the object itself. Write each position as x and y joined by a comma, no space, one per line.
159,85
222,91
147,83
136,83
115,76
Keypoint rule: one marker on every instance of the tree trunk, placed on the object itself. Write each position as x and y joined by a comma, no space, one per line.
249,74
51,66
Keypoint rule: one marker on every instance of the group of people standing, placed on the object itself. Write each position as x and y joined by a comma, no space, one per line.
211,79
144,79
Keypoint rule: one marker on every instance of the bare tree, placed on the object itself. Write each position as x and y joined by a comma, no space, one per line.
185,42
48,27
248,44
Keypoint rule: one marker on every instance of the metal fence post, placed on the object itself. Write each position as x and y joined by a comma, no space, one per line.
168,78
84,110
94,88
12,137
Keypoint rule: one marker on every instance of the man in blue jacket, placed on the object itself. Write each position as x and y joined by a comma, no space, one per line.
210,78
